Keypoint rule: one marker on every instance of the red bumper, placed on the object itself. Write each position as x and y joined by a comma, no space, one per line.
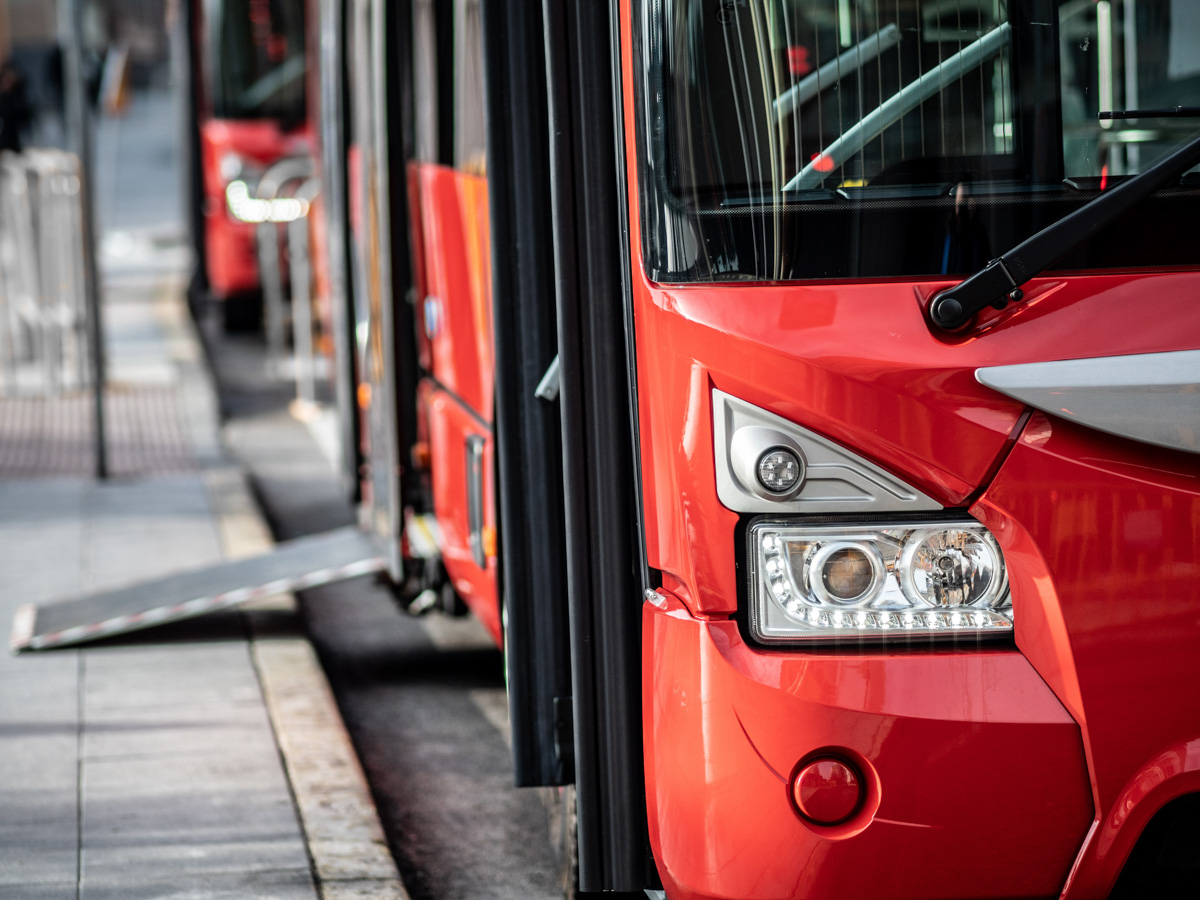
980,787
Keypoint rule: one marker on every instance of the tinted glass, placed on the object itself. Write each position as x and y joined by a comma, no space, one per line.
258,60
789,139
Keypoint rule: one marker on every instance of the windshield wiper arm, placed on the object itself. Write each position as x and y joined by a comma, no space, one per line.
998,280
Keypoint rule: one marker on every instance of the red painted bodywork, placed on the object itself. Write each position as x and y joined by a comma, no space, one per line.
455,396
230,245
1037,765
726,726
1104,533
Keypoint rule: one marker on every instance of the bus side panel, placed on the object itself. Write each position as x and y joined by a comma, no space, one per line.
453,432
420,282
454,310
455,398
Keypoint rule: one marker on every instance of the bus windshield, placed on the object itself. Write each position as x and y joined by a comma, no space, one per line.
258,59
809,139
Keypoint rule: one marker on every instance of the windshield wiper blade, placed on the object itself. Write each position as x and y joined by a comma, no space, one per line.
997,281
1175,112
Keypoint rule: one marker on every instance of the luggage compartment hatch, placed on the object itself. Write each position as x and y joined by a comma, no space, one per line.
290,566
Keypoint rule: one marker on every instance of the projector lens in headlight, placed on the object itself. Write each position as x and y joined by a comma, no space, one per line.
811,582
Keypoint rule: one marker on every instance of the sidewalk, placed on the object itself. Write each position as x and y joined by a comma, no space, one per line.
201,760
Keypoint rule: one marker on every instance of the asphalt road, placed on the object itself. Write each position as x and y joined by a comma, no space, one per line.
423,699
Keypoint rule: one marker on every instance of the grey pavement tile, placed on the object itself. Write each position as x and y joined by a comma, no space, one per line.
41,540
38,842
64,890
173,736
40,812
24,502
38,838
257,776
126,865
35,867
134,662
190,670
145,705
41,757
159,495
179,825
213,682
364,889
160,885
37,688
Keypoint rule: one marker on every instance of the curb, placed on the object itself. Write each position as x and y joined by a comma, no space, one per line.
346,845
350,856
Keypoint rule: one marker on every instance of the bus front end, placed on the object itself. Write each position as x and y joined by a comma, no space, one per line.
927,595
254,115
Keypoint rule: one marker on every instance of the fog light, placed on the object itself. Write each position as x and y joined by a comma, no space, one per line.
827,791
779,470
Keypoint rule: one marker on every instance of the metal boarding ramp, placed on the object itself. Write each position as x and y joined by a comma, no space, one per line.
290,566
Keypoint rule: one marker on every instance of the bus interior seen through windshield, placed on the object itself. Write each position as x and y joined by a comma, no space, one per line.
258,60
800,138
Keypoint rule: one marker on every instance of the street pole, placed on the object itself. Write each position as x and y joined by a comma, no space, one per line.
70,16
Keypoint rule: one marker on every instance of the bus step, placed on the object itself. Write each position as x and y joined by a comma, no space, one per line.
424,537
291,566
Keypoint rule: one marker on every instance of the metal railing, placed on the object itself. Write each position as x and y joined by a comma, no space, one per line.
300,262
284,197
43,300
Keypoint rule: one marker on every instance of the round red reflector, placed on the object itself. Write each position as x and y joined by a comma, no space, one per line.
827,791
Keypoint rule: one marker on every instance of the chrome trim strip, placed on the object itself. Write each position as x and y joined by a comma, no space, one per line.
1153,398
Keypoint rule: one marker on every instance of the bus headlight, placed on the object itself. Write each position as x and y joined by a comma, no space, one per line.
932,579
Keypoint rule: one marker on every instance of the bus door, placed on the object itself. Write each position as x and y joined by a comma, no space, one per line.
567,478
376,236
338,188
452,298
905,529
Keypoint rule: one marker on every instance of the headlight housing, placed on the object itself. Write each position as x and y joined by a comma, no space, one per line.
811,582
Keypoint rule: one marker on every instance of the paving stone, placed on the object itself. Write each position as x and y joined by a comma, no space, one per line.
37,860
363,889
38,836
129,864
30,891
38,688
42,757
41,540
240,769
181,825
215,672
166,736
190,885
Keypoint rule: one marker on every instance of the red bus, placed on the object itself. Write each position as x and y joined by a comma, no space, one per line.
803,392
249,87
